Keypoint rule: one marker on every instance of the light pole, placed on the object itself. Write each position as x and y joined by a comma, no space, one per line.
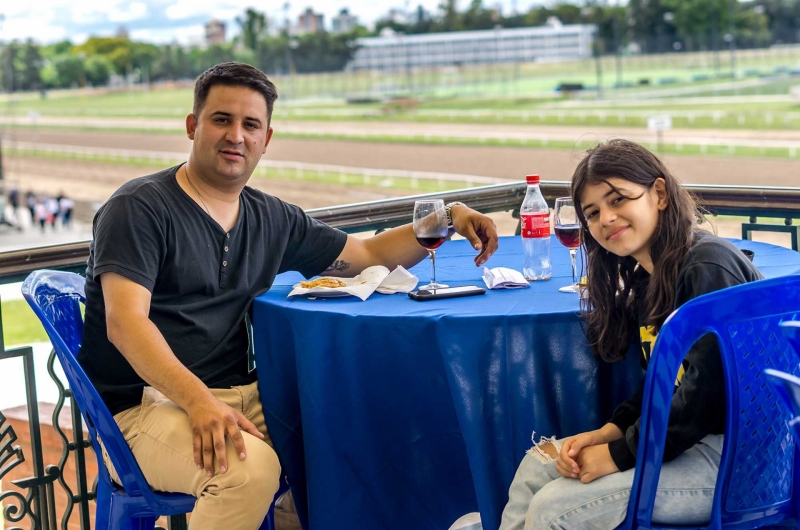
585,12
668,18
293,44
618,46
730,37
290,44
2,18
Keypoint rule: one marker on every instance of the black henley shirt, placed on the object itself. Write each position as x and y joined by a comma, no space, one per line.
202,278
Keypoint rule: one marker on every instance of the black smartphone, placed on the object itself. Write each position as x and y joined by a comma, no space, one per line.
448,292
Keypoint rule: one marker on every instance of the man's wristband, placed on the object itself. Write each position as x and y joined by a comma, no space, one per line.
448,215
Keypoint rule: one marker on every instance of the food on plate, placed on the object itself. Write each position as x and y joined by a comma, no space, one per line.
331,283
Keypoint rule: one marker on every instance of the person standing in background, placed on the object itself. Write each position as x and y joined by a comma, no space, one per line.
30,202
53,211
66,205
13,201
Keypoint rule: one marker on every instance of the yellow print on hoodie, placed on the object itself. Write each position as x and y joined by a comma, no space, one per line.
647,336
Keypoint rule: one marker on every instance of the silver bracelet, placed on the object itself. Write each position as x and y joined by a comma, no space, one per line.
447,214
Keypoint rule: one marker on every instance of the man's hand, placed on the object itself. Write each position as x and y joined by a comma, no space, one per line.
478,229
595,461
211,421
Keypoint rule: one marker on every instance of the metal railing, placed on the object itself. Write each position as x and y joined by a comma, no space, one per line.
749,201
38,506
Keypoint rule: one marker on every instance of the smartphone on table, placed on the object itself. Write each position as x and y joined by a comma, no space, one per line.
423,295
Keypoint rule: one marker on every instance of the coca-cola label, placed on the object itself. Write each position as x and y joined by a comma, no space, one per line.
535,225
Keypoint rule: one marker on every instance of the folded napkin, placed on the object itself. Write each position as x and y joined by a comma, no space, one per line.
371,279
399,281
503,278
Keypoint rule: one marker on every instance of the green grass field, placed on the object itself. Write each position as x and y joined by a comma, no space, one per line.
491,86
752,113
20,325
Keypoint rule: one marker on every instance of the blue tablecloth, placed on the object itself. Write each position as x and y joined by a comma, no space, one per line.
394,414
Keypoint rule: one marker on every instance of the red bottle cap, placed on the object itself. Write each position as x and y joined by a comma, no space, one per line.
532,179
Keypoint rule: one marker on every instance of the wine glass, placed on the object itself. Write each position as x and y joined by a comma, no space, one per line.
430,228
568,232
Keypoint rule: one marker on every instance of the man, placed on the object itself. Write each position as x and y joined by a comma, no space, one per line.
176,260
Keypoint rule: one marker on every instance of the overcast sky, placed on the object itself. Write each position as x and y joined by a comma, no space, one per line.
49,21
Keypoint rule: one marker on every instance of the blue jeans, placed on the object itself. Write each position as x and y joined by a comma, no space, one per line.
541,499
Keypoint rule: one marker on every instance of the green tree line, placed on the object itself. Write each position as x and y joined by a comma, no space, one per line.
646,26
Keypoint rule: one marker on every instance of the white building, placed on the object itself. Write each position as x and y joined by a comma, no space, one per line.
215,32
310,22
545,43
344,22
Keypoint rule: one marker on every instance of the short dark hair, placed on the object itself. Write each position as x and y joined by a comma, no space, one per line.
234,74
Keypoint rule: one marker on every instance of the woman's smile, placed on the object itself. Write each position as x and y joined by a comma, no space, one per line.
616,233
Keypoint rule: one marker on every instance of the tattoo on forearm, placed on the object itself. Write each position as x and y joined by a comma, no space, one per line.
338,265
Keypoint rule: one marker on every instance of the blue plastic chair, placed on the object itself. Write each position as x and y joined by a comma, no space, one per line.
55,298
787,385
756,483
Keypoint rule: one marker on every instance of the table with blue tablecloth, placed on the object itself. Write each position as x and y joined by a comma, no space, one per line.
394,414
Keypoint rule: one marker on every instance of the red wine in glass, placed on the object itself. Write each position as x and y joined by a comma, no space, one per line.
569,235
431,242
568,231
430,229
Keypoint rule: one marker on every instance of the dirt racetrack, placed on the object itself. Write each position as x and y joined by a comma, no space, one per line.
503,162
95,182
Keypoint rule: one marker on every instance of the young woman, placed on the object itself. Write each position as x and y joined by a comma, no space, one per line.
645,257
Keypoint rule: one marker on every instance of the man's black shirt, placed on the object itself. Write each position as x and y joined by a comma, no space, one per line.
202,278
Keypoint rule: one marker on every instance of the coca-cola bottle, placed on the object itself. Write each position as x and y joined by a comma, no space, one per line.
535,228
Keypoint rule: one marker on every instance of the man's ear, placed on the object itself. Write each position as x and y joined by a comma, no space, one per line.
191,126
660,190
269,137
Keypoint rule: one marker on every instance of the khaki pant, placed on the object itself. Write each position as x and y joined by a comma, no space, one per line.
160,438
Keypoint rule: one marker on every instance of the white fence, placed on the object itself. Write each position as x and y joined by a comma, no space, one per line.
296,170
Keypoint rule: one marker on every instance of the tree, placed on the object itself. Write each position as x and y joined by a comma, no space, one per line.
568,13
451,18
29,71
8,66
323,52
783,18
253,28
69,70
699,22
97,70
752,29
477,17
123,54
651,25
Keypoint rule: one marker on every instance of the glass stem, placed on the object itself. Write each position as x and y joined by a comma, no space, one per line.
433,266
572,253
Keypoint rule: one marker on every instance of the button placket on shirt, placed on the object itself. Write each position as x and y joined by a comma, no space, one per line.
223,268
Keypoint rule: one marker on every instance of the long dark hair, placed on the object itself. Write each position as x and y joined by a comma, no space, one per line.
616,285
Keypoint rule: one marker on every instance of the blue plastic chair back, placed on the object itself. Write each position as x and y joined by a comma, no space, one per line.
787,385
755,486
56,299
791,330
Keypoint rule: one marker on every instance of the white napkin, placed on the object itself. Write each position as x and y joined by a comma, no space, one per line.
399,281
371,279
503,278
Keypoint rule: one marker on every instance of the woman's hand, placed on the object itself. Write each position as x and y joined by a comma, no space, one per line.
566,463
595,461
